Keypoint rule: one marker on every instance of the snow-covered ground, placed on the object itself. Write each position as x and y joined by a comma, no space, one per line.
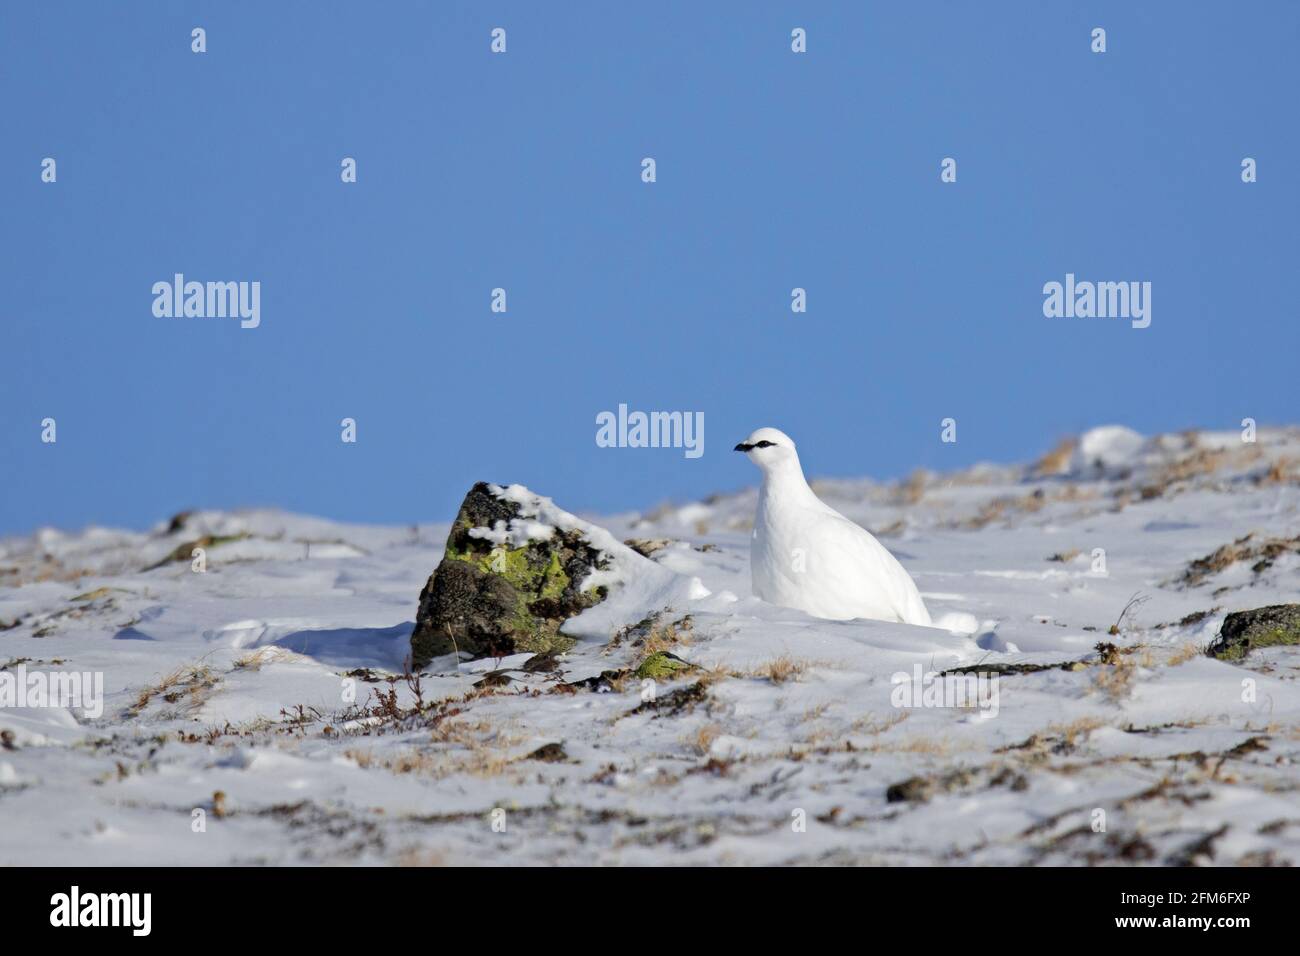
230,691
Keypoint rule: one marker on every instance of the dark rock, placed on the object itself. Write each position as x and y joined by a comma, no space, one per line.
547,663
1243,631
911,790
922,789
185,551
1010,670
603,682
647,546
489,599
1196,617
549,753
675,702
179,521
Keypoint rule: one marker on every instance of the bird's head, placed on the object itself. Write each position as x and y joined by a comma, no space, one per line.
770,449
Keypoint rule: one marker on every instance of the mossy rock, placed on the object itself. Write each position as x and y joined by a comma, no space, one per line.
490,599
661,666
184,552
1243,631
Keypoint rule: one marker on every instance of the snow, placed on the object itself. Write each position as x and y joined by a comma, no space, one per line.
245,692
1107,449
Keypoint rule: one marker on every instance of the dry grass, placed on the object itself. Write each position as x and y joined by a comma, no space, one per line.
923,745
1187,652
891,530
1281,472
1071,733
872,724
715,673
94,595
458,743
781,669
1115,679
261,657
816,712
364,759
188,686
477,747
1199,464
1004,507
1135,602
1065,556
465,731
664,637
420,762
1263,551
1057,461
911,490
700,740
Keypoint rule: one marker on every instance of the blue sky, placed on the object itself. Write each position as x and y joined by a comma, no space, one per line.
522,171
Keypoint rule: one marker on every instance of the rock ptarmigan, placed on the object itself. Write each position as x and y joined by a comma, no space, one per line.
806,555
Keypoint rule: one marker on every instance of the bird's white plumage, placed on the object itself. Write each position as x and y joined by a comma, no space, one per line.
806,555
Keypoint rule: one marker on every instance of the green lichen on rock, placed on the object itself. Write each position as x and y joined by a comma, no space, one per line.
514,565
661,666
494,598
1244,631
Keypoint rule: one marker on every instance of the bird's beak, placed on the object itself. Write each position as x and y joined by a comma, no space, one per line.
742,447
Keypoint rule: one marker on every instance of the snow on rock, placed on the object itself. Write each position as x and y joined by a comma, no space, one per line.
520,573
635,586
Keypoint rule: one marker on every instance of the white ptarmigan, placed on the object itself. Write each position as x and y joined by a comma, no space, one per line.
806,555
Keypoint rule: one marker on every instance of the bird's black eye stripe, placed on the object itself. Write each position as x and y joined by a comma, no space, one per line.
764,444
